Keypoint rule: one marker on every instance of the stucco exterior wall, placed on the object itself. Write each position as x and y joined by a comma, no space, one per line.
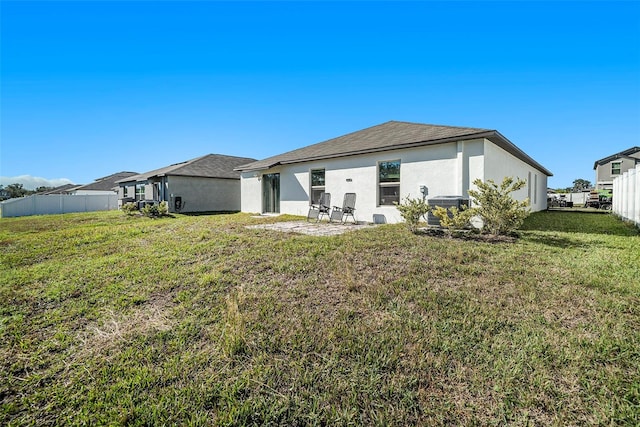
499,164
434,167
251,190
445,169
204,194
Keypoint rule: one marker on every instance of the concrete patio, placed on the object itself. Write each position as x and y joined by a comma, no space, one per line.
312,228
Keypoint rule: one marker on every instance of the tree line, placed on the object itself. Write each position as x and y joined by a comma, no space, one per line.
12,191
578,186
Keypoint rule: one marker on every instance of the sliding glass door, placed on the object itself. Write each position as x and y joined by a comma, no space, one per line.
271,193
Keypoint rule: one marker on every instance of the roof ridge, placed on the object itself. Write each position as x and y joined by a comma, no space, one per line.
439,126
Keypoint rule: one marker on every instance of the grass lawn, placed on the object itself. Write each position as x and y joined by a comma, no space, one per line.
197,320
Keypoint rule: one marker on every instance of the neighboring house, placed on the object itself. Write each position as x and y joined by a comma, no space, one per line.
62,189
611,167
384,164
205,184
105,185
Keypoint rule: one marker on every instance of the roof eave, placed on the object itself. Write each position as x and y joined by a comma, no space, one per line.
412,144
492,135
504,143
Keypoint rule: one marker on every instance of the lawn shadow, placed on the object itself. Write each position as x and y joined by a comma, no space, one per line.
556,241
209,213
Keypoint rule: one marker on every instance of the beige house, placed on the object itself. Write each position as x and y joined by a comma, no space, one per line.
611,167
204,184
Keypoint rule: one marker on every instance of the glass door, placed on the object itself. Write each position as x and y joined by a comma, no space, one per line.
271,193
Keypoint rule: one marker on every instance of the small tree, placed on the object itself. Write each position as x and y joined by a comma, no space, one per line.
581,184
500,213
412,210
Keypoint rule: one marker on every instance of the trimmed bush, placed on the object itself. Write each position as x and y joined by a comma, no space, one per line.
412,211
501,214
129,209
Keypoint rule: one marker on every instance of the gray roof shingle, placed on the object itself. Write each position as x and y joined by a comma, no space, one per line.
387,136
62,189
209,166
107,182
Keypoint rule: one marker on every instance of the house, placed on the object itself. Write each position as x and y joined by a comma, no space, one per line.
62,189
384,164
105,185
611,167
204,184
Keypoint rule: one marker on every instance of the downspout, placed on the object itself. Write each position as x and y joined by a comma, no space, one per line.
462,180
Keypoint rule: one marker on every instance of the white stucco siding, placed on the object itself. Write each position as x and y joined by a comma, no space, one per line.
445,169
500,164
251,192
435,167
205,194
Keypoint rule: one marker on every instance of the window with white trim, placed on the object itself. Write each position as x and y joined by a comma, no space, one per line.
140,191
316,176
616,167
388,182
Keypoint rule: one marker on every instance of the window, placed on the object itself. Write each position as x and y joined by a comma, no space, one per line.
140,192
317,185
389,182
615,168
125,192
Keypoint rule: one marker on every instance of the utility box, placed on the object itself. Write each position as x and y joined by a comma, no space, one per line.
445,202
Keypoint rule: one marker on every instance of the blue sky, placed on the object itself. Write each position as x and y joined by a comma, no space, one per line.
91,88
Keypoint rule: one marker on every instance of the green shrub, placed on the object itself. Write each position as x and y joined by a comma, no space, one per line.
501,214
453,219
129,209
412,210
150,210
155,210
163,209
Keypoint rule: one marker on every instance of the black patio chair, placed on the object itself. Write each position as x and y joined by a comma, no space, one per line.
322,208
348,208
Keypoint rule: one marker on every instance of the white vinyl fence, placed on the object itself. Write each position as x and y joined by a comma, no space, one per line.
57,204
626,195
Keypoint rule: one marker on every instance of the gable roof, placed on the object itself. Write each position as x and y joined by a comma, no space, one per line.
107,182
62,189
626,154
387,136
209,166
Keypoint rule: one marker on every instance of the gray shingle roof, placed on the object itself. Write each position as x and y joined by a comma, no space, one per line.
107,182
387,136
209,166
62,189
